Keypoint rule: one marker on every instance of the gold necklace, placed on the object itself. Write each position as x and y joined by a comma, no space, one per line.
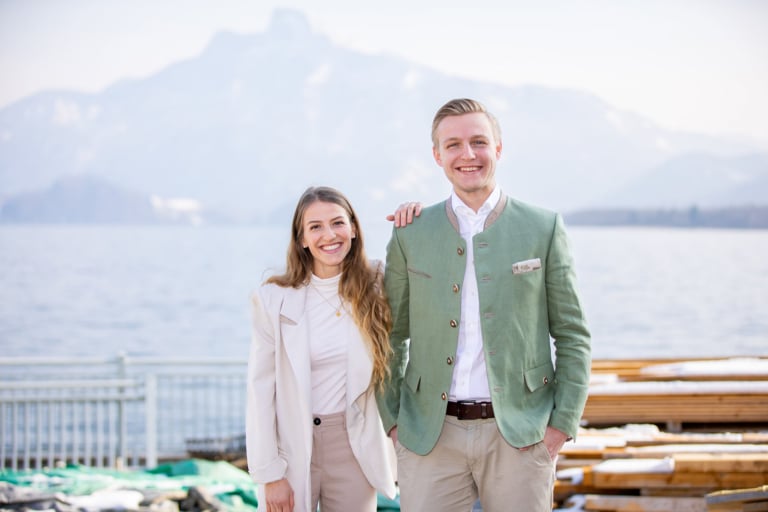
336,309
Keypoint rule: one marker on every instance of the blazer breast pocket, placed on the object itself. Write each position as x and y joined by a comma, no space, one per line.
526,266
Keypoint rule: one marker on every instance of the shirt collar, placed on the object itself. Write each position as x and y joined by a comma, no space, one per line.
461,208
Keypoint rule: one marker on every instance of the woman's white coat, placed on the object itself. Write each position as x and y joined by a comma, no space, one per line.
278,416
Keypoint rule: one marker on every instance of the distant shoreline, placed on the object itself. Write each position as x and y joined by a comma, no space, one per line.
737,217
742,217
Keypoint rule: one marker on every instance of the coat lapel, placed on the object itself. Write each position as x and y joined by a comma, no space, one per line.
295,334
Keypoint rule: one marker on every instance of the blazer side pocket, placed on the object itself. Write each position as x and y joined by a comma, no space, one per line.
539,377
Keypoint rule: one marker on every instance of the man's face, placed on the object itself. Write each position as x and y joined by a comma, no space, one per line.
467,152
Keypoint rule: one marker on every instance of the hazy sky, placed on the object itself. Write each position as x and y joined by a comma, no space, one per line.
698,65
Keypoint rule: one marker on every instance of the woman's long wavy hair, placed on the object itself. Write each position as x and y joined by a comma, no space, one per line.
361,285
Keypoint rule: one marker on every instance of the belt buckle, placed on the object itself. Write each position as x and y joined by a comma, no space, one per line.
462,409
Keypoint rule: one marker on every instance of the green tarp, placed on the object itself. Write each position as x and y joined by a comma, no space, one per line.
185,485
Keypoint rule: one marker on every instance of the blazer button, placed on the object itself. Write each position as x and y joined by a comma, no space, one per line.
460,251
546,380
316,421
449,360
455,288
453,323
443,396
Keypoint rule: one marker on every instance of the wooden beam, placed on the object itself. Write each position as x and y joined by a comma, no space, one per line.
738,499
600,502
722,462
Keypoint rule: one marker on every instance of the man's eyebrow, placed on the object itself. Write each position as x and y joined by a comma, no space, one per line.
471,137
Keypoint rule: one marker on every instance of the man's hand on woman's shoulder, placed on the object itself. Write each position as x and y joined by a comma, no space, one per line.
405,213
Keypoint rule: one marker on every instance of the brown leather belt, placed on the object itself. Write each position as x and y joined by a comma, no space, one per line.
470,410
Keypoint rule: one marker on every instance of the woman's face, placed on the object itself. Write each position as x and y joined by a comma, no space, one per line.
328,234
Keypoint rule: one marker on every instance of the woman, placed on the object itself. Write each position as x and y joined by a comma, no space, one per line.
320,349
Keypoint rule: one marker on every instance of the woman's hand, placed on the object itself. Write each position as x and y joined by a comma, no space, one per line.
405,213
279,496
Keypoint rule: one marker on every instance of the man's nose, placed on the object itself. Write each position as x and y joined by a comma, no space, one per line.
468,153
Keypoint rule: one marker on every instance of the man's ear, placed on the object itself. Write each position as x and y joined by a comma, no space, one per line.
436,154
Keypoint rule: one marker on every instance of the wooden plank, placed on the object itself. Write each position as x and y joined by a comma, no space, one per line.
735,495
703,408
712,481
704,451
633,369
599,502
738,506
722,462
703,437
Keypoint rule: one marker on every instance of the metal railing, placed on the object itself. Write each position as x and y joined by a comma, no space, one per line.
118,412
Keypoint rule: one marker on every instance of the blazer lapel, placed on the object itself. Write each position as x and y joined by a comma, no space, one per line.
295,335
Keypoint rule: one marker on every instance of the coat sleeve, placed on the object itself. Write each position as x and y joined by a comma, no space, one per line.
568,328
396,286
265,463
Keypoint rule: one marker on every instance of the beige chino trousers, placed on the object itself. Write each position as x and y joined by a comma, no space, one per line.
472,460
337,481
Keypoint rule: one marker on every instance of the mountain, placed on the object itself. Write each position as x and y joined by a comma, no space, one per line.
247,125
90,200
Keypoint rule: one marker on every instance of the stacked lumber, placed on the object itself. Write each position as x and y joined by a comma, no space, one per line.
677,393
677,473
711,455
677,402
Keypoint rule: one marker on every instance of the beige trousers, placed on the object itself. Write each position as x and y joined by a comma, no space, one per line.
472,460
337,481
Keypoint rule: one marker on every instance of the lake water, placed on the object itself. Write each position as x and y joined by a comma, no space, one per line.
181,291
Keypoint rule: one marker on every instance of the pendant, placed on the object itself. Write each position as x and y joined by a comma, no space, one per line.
338,312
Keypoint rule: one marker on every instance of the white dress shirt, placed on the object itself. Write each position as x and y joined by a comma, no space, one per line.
470,380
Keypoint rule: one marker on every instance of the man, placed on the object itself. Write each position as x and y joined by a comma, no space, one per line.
477,285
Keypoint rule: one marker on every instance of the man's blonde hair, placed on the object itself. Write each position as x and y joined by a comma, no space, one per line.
461,106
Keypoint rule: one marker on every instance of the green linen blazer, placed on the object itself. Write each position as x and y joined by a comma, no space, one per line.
521,307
